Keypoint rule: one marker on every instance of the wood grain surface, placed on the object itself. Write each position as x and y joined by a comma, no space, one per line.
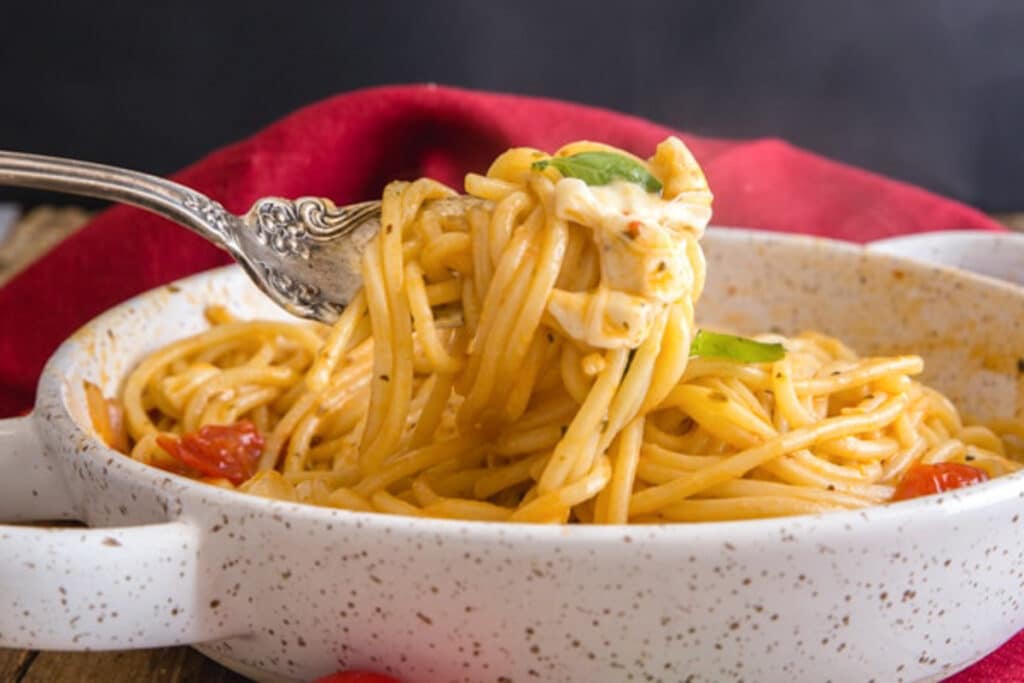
170,665
37,232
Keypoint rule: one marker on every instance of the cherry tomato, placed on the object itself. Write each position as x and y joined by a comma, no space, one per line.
356,677
221,451
925,480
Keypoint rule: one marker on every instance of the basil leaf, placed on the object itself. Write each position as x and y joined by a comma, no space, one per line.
601,168
740,349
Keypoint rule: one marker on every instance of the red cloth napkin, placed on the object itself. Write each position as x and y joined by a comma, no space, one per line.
349,146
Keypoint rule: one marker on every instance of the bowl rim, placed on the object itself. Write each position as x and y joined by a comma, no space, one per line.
53,400
895,245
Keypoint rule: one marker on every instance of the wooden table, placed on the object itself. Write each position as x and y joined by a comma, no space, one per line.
33,236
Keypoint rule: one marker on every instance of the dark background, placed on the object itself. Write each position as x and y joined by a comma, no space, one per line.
925,90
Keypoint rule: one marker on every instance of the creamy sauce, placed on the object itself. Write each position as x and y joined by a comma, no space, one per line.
642,241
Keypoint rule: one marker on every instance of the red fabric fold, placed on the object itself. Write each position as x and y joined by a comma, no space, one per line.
347,147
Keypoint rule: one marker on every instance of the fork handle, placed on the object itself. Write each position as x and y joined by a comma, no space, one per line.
180,204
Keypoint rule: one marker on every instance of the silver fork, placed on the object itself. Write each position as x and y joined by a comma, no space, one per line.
303,253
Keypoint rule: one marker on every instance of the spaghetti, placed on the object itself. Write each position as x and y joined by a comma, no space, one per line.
568,393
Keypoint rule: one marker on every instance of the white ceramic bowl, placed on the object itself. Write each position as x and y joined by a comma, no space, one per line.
282,592
995,254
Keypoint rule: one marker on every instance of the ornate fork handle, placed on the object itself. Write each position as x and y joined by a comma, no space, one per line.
169,199
304,253
287,227
291,227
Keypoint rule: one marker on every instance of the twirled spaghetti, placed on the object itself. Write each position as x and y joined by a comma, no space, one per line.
567,392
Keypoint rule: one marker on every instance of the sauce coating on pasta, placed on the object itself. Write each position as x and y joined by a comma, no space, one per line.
576,390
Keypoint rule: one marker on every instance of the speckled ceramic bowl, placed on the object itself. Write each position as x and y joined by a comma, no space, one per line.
283,592
995,254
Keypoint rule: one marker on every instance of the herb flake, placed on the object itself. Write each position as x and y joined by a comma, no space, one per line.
601,168
740,349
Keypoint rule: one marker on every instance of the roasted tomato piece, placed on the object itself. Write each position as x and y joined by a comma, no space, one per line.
221,451
357,677
925,480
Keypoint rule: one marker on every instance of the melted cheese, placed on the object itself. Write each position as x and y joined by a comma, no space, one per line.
603,318
640,236
642,241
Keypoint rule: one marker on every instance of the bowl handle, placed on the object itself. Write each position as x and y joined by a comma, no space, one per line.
32,486
93,589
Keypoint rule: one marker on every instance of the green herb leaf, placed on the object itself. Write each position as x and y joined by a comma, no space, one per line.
601,168
740,349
